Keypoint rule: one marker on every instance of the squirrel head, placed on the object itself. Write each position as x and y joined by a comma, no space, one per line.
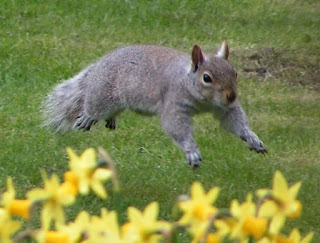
216,79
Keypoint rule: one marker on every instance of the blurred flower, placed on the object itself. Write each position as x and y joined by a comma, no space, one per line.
144,226
8,227
198,211
54,198
294,237
105,228
15,206
243,223
280,202
199,232
86,174
77,229
199,207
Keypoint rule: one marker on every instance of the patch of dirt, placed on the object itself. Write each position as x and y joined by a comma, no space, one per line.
270,64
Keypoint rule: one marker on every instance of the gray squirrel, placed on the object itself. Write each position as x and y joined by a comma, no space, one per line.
153,80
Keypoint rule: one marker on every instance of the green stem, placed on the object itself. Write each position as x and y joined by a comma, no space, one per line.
115,181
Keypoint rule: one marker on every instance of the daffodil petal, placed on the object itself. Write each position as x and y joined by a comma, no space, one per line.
185,219
89,157
84,187
294,190
9,195
111,220
280,186
73,158
98,188
197,191
38,194
276,224
185,205
102,174
263,192
67,199
134,214
307,238
83,216
151,211
212,194
248,207
59,216
235,208
71,153
53,182
268,209
46,217
295,234
222,227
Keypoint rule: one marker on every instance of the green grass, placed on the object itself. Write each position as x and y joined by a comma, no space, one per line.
43,42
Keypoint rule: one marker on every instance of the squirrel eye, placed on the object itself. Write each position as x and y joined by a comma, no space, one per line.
206,78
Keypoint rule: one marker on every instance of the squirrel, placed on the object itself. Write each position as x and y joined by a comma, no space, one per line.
154,80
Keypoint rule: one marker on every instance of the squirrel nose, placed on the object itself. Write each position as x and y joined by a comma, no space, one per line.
231,97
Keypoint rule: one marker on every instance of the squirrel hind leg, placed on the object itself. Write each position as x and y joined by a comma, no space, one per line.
84,122
111,123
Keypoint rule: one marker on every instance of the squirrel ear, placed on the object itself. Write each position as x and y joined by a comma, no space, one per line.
197,57
223,51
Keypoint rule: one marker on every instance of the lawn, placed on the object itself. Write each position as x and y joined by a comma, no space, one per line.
275,47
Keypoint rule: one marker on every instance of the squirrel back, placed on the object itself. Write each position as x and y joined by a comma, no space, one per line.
142,79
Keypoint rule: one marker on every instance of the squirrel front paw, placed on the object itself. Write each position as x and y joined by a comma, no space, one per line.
194,159
254,142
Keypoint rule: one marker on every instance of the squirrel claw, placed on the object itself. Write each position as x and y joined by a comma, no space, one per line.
111,123
194,159
84,122
259,149
254,142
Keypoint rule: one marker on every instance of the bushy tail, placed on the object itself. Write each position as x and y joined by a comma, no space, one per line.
64,104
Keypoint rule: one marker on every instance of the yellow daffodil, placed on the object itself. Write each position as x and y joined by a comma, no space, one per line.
18,207
199,207
144,226
199,233
78,228
294,237
105,228
54,198
86,174
8,227
243,223
280,202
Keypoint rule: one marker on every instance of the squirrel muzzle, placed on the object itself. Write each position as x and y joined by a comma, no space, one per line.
230,96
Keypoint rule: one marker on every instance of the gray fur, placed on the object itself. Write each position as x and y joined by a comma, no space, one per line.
153,80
